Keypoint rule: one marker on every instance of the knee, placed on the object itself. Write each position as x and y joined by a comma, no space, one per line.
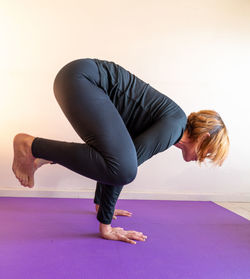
127,175
124,174
64,77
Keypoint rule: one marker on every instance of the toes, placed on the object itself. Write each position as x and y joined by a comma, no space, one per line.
23,180
26,181
31,181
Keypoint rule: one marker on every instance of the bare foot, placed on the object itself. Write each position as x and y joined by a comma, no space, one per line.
23,164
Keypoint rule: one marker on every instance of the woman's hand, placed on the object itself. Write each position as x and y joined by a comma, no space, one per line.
121,212
120,234
118,212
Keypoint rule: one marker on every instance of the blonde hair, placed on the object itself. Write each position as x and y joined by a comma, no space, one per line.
216,146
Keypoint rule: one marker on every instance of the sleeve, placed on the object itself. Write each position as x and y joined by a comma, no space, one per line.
107,195
98,193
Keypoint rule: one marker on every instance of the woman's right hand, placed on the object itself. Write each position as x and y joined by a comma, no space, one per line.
120,234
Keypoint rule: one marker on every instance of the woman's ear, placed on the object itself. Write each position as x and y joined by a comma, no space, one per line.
205,136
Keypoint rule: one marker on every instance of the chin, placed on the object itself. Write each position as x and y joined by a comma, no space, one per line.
189,159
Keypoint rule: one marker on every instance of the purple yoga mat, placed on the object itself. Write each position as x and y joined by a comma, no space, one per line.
59,238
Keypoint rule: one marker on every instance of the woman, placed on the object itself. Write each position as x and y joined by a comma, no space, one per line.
123,122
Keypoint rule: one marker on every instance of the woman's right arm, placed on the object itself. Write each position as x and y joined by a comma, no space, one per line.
108,198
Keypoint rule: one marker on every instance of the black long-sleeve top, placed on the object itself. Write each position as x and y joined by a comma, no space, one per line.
154,121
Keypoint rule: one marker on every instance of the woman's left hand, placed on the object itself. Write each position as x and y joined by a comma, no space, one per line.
118,212
121,212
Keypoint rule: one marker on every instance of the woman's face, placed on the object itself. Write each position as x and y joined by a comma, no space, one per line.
189,153
189,147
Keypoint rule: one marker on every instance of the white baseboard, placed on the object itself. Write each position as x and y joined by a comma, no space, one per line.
89,194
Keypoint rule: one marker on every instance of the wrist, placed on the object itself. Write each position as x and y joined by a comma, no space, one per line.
97,207
105,228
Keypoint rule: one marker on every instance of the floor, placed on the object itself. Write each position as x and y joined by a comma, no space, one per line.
240,208
45,238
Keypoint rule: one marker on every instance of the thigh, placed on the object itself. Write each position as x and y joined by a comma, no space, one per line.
90,111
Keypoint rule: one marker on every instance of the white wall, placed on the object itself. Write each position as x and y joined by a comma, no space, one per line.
197,52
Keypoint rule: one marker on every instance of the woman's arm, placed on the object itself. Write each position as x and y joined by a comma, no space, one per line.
107,196
157,138
98,193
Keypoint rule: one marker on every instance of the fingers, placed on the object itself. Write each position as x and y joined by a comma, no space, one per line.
126,213
136,235
126,239
122,212
130,236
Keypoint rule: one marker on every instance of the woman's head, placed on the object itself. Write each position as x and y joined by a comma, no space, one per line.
207,129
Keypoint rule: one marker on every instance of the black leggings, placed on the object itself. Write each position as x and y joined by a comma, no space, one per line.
108,154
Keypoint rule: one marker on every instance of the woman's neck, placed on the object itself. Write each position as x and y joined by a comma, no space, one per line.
184,142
